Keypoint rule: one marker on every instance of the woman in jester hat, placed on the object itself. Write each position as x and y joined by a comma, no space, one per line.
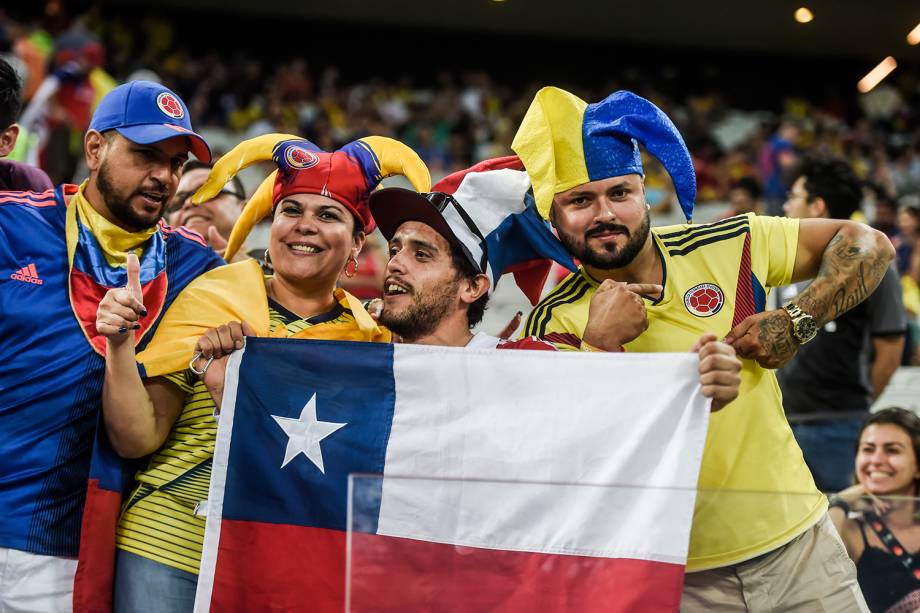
318,205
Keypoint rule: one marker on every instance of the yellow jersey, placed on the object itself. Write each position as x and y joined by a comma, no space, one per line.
159,520
755,491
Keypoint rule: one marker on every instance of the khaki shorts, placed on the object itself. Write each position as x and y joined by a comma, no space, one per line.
811,573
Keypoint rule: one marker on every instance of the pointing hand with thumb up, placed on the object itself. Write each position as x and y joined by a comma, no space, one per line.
122,307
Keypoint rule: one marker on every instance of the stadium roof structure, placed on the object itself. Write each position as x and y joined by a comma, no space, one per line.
855,28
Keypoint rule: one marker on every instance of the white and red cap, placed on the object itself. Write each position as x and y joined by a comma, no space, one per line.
487,212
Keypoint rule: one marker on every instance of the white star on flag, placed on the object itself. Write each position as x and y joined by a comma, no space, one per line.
305,434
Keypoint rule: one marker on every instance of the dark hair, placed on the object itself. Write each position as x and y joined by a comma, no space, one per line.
10,95
465,269
911,209
833,180
902,418
881,195
750,185
234,180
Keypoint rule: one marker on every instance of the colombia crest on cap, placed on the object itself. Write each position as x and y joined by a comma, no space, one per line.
170,106
299,158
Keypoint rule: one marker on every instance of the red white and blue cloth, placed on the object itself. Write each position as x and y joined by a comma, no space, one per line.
490,488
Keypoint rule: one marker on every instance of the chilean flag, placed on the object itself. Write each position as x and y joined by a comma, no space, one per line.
365,476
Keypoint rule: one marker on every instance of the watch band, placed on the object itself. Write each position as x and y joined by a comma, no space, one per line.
794,310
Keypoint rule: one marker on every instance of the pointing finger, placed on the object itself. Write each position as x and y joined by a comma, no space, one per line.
645,289
134,278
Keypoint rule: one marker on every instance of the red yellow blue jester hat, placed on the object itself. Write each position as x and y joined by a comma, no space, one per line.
565,142
347,175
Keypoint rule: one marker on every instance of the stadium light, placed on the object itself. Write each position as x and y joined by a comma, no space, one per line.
914,37
803,15
876,75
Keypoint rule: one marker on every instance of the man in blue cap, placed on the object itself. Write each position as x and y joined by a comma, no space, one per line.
776,549
60,251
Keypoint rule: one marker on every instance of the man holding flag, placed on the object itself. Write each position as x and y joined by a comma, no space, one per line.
447,250
771,551
75,249
436,288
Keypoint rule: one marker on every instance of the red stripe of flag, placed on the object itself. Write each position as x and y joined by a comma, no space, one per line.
94,579
274,567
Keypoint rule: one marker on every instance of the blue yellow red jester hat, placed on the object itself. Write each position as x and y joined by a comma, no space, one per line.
565,142
347,175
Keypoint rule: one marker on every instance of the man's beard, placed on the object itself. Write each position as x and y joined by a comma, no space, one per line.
610,256
424,313
120,206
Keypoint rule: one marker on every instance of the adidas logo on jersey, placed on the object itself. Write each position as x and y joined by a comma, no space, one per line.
27,274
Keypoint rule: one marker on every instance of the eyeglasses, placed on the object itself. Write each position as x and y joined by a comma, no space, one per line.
181,197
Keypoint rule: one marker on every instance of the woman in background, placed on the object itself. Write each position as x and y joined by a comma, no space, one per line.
877,518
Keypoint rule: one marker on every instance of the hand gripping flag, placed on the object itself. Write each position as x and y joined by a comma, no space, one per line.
485,524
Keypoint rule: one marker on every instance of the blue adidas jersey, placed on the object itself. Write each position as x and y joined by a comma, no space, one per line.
50,376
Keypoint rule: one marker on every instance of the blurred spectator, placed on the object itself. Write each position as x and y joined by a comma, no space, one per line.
213,219
28,50
886,212
909,265
458,117
64,103
777,156
831,382
14,175
881,534
744,197
909,230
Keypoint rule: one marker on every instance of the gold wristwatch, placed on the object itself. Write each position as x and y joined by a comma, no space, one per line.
804,327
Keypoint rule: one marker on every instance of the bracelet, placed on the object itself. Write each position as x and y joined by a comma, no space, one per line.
835,501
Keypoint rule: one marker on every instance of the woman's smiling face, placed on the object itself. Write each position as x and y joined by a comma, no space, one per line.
312,238
886,463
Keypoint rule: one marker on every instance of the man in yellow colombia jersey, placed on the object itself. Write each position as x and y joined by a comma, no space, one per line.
761,539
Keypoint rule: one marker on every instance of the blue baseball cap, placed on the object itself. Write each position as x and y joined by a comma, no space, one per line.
145,112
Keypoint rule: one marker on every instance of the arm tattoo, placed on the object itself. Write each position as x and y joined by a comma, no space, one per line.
853,265
775,336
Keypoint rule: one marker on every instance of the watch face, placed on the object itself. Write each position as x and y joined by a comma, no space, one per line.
805,329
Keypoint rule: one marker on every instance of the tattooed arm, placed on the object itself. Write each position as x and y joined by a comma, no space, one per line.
847,261
850,266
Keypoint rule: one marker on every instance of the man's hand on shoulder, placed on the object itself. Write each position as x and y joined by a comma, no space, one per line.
765,337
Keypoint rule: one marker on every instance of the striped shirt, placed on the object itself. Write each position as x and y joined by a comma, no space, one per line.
159,520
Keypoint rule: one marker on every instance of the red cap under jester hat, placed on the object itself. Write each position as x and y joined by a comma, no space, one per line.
348,175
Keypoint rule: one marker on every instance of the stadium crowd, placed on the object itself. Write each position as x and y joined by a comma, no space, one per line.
824,168
457,118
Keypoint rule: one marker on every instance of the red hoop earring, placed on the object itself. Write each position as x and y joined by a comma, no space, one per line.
353,272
